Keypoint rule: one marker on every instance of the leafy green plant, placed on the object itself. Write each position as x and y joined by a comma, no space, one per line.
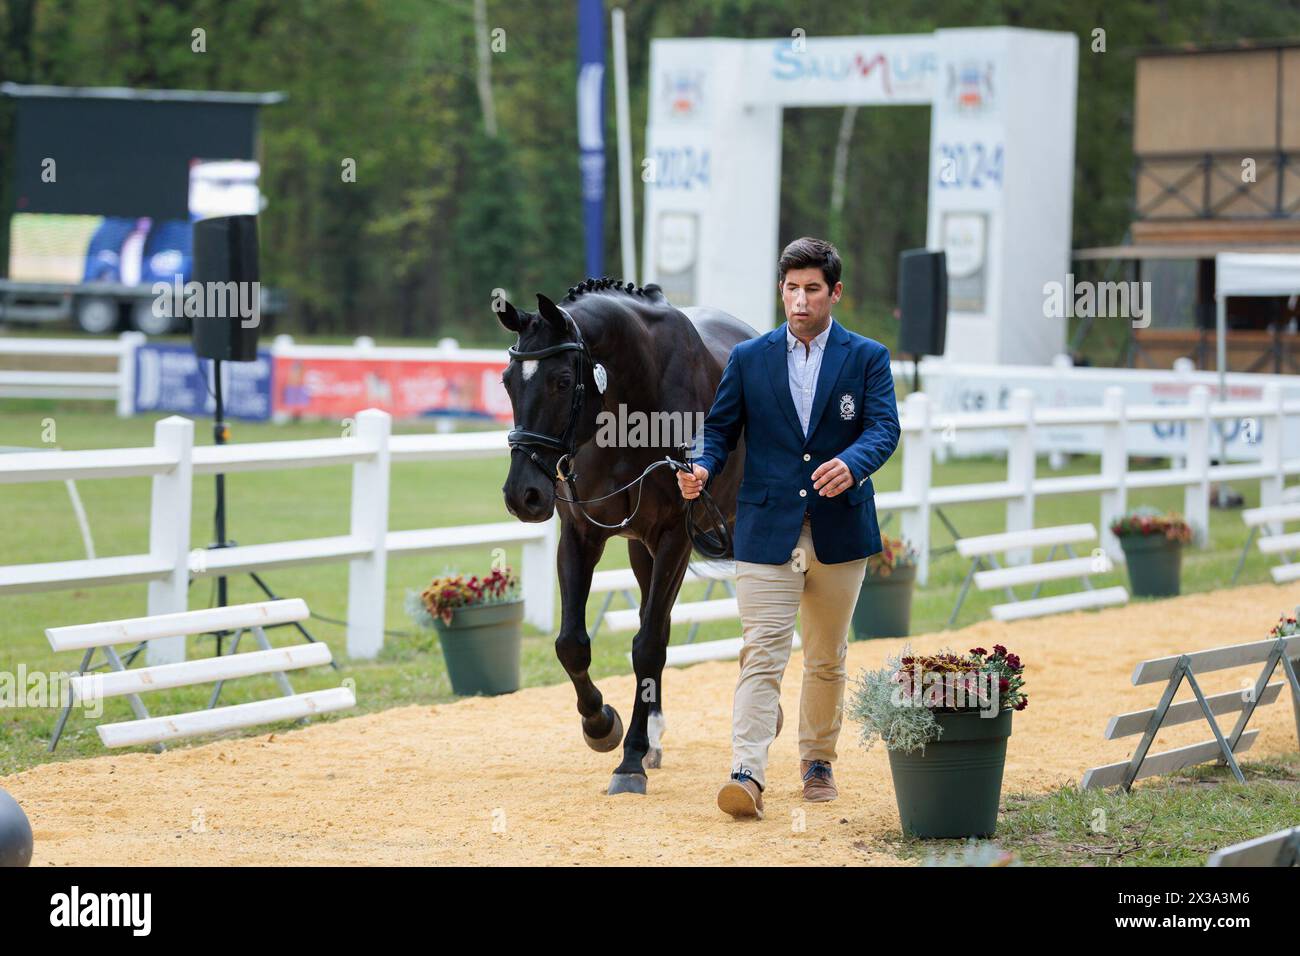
897,704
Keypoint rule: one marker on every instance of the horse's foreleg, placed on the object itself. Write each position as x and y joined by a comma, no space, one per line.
576,560
642,565
649,651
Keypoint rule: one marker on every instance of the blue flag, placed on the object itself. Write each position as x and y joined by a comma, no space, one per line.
591,128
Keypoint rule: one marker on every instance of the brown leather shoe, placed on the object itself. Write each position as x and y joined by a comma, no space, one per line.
742,799
818,784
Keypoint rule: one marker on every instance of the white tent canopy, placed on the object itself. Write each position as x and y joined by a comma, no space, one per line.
1246,273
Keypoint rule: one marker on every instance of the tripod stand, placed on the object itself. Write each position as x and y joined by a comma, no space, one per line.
221,436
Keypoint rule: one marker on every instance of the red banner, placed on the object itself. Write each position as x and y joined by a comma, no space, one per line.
339,388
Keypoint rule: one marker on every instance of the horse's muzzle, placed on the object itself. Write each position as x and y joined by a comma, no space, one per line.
532,504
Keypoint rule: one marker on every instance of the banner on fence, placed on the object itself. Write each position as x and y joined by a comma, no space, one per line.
956,388
171,378
309,387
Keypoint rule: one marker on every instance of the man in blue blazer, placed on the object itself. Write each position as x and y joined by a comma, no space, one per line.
816,405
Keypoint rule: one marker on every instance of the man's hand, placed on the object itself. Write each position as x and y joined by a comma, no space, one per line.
692,484
832,477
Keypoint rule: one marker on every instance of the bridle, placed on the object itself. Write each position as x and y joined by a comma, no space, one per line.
525,440
528,441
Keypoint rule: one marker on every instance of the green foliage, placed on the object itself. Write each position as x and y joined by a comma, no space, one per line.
896,704
439,215
1174,820
874,702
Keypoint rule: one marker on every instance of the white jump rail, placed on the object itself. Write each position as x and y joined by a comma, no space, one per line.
1282,652
982,548
694,613
623,581
117,386
1276,849
237,716
89,687
1274,541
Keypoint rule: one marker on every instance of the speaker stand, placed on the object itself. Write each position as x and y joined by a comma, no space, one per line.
221,436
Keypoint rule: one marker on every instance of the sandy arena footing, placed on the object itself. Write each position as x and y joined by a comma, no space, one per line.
507,780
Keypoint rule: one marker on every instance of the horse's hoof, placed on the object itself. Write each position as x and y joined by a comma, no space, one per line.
780,719
654,758
627,783
611,739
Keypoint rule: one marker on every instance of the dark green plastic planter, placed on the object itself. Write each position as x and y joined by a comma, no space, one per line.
1153,564
953,788
884,607
481,647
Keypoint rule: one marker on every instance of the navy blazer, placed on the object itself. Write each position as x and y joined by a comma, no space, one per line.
854,418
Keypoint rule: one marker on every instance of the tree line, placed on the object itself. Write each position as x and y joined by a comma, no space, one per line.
444,207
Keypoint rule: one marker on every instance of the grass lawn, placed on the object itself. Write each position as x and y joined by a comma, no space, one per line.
1173,820
38,525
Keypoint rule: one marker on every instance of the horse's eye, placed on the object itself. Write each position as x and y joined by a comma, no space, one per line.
562,385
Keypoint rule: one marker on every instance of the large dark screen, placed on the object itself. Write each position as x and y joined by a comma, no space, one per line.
122,157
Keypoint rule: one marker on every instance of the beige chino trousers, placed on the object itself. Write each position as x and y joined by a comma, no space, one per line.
769,596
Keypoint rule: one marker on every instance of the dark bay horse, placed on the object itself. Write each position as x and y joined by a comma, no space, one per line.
603,346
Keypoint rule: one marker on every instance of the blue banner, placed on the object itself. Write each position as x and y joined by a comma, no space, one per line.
170,378
591,128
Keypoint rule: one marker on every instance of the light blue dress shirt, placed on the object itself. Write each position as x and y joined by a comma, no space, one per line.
803,364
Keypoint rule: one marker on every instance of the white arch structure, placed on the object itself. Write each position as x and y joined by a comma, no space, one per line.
1000,181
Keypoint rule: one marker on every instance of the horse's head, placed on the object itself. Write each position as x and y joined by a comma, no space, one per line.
545,401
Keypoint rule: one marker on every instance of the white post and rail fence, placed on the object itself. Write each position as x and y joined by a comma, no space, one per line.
174,462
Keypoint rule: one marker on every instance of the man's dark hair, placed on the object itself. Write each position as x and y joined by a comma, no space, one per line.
810,253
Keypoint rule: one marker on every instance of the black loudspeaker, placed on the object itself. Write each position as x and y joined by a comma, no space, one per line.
225,251
922,302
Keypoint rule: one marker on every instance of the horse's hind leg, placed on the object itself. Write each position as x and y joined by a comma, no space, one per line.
602,728
642,564
649,651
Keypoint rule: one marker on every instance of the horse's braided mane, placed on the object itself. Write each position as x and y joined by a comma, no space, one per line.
650,292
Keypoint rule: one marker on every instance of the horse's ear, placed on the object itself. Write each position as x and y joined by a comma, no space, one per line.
551,313
509,317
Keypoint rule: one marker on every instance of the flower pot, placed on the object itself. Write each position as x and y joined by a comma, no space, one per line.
1153,564
884,607
953,787
481,647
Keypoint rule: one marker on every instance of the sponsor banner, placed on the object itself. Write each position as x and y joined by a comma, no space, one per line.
832,71
171,378
955,389
405,388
